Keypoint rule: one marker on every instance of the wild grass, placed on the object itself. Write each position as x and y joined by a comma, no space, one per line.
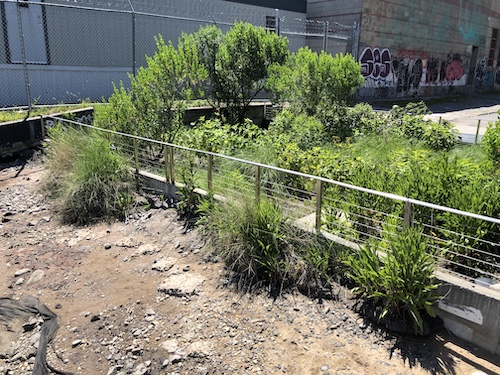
88,181
21,113
260,243
397,274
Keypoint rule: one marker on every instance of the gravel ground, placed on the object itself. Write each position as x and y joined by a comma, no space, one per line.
141,297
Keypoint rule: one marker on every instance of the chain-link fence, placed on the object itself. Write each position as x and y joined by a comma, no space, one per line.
68,51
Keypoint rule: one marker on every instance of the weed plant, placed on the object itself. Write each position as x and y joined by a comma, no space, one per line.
258,241
88,180
396,273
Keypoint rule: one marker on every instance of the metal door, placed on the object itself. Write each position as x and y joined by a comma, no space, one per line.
32,29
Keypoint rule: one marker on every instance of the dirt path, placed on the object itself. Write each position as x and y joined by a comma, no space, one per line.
139,298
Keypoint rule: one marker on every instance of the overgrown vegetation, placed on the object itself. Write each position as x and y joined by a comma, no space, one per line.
491,142
19,114
87,179
396,274
258,241
312,82
317,133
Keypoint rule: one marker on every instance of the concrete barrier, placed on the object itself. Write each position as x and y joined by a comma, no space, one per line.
19,135
470,311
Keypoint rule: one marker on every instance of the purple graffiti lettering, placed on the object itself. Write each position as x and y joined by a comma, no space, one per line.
375,63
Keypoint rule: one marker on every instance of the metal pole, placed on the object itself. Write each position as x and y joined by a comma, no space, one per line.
325,36
319,201
171,162
136,156
407,214
355,40
257,182
277,21
477,130
165,157
209,167
25,63
133,38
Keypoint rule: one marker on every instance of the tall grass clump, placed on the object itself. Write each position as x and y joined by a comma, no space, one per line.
88,180
258,241
396,276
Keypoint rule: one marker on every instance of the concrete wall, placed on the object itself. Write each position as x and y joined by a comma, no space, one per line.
418,48
345,12
470,311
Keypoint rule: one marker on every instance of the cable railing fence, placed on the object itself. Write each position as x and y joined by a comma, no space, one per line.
463,243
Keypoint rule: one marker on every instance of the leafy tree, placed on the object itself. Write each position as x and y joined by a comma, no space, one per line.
158,90
312,82
237,64
207,41
154,106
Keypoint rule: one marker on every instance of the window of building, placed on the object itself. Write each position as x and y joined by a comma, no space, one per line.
271,23
493,45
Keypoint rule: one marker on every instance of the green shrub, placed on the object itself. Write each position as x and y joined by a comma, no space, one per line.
310,81
215,136
410,122
491,142
343,122
258,241
306,131
396,273
89,181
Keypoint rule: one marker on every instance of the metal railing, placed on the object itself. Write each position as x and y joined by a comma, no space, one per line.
469,248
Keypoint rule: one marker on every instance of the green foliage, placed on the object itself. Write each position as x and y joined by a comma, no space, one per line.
207,41
189,201
154,106
409,121
88,180
491,142
401,278
158,90
342,122
19,114
214,136
120,115
312,82
236,64
258,241
242,61
306,131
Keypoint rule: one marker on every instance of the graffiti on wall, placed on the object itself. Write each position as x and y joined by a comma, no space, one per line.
407,72
485,77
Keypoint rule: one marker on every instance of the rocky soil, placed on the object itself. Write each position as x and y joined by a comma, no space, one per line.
141,297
